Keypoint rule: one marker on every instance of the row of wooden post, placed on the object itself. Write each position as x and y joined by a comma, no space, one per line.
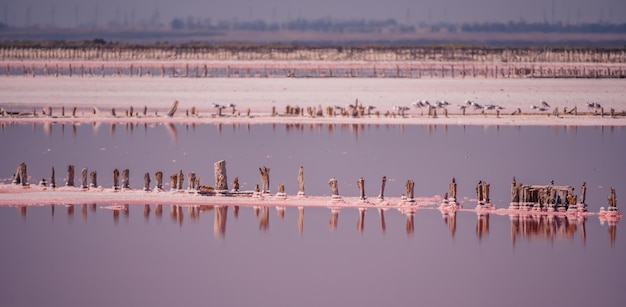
413,71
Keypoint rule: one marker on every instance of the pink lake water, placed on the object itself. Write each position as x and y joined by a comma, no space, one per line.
89,255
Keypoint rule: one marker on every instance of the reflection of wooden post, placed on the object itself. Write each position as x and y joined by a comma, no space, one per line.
265,179
300,220
126,179
83,178
70,176
220,175
93,179
158,176
146,182
53,183
301,181
361,223
381,196
360,183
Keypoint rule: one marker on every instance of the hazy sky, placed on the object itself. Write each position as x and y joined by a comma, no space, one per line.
69,13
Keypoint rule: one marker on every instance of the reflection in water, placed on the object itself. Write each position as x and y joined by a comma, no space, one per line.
612,231
22,211
146,212
176,213
410,221
281,212
547,226
219,221
300,220
361,222
482,225
70,210
334,218
158,210
83,211
52,210
171,129
383,226
236,211
264,221
449,218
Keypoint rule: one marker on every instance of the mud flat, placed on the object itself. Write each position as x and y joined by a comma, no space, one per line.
264,100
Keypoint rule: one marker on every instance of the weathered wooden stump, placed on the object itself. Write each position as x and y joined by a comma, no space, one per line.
173,182
381,195
21,175
83,178
360,183
70,176
334,188
452,192
265,179
219,169
172,110
236,184
116,179
146,182
410,189
301,181
158,177
53,183
191,184
126,179
180,178
93,179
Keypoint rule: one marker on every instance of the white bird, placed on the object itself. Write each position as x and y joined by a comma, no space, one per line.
231,105
215,105
542,109
477,105
533,107
462,107
545,104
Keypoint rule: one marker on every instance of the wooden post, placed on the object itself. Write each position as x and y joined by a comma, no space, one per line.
21,175
180,177
191,184
265,179
301,181
410,188
334,188
381,196
221,182
125,179
83,178
146,182
158,177
236,184
70,176
452,192
172,109
53,183
360,183
173,182
116,179
93,179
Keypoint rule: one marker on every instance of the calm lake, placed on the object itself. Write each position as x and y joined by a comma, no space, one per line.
87,254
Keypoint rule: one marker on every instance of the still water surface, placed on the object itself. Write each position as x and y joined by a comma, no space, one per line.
90,255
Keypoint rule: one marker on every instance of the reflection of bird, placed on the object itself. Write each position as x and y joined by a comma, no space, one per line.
545,104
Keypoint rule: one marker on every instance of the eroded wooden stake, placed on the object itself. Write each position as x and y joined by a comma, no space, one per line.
360,183
265,179
93,179
146,182
116,179
83,178
126,179
219,169
70,176
158,177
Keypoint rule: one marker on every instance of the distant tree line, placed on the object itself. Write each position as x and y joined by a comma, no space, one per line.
373,26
